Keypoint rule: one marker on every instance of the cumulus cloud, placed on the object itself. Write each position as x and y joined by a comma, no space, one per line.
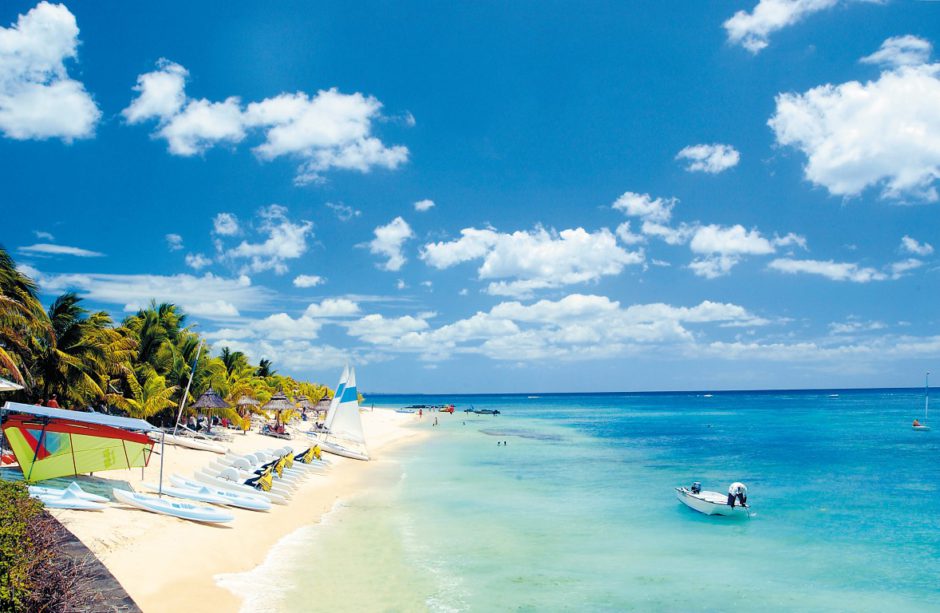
523,262
52,249
308,280
721,248
424,205
911,245
174,242
645,206
38,99
207,295
46,236
225,224
709,158
388,243
197,261
331,308
574,327
884,132
326,131
286,240
900,51
752,29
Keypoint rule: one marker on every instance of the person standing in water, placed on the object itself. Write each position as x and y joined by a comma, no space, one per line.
737,492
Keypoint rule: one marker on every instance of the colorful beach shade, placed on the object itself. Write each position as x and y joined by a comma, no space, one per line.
50,443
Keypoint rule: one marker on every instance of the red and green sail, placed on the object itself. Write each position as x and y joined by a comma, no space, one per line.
47,448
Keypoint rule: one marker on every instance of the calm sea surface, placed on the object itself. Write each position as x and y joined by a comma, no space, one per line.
578,511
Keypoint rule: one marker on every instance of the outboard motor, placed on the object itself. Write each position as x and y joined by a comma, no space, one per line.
696,488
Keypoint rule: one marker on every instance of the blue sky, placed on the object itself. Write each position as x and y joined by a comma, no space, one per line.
489,196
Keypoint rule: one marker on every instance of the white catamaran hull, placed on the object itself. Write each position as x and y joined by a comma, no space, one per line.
183,510
710,503
233,499
189,442
339,449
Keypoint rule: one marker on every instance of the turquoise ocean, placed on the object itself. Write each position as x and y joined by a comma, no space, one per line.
578,510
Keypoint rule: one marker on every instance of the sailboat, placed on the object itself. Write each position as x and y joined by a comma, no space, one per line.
343,434
923,427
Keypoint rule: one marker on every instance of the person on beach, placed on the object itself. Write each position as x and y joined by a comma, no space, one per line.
53,403
737,492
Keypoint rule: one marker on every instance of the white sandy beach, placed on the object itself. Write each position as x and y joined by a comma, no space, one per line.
169,564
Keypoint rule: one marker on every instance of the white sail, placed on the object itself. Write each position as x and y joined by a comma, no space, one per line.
347,424
337,395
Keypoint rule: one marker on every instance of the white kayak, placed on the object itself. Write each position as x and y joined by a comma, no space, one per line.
189,442
237,486
68,500
185,493
336,448
183,510
73,488
251,502
233,474
710,503
289,479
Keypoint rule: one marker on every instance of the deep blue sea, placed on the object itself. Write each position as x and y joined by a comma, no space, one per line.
578,510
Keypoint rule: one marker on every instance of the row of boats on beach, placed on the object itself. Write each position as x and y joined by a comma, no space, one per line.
51,443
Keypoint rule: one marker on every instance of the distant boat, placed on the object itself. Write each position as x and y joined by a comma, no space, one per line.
707,396
923,427
833,395
709,503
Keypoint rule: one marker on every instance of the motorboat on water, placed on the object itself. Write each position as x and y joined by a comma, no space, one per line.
711,503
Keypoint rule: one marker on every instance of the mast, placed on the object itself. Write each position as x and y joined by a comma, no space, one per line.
926,394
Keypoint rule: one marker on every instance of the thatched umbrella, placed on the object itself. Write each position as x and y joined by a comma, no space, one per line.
323,407
246,401
278,403
210,401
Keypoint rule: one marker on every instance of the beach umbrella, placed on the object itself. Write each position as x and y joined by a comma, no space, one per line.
303,402
8,386
210,400
247,401
278,403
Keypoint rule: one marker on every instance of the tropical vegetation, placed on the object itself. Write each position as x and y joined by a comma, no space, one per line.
140,366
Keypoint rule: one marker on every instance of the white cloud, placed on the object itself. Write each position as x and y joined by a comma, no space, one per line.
38,99
646,207
51,249
343,212
540,259
668,234
901,51
627,236
161,93
209,295
837,271
41,235
899,269
424,205
174,242
856,135
721,248
388,243
575,327
911,245
225,224
332,307
380,330
752,30
308,280
197,261
712,159
286,240
854,326
400,284
329,130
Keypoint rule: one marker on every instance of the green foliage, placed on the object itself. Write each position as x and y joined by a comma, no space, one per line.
18,557
141,366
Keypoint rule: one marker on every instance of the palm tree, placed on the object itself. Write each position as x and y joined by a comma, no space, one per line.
147,398
22,320
264,368
83,354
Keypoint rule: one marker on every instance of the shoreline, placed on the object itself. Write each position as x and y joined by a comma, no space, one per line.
167,564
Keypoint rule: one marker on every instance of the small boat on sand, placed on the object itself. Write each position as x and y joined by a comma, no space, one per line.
233,499
163,506
188,441
73,488
68,500
710,503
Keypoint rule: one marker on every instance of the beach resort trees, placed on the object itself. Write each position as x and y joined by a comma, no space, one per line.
140,366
